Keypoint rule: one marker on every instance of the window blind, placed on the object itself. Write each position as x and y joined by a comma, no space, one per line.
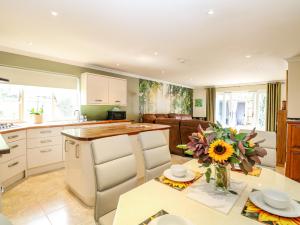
38,78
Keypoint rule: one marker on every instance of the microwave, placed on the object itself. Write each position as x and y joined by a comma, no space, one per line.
116,115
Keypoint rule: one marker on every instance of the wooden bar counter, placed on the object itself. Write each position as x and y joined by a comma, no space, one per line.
88,134
78,159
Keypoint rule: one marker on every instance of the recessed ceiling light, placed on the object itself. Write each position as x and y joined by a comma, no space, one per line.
155,53
181,60
30,43
53,13
118,64
248,56
210,12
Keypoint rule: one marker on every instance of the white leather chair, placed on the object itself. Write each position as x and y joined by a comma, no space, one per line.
156,151
269,144
115,174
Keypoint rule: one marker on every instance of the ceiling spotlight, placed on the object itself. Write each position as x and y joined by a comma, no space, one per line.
210,12
30,43
53,13
181,60
156,53
118,64
248,56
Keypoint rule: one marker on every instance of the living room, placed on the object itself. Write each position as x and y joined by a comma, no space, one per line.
130,112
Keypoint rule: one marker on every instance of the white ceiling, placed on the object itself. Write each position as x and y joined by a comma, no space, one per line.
125,34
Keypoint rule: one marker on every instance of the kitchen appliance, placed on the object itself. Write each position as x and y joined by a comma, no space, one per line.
116,115
4,126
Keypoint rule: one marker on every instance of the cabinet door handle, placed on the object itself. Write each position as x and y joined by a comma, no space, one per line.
77,155
117,101
44,151
14,146
98,100
68,142
45,131
45,141
13,164
13,136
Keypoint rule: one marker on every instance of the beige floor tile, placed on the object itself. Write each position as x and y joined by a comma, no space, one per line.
39,221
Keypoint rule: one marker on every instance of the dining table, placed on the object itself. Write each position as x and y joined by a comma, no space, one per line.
146,200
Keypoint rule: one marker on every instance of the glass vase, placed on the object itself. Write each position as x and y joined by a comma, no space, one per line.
222,178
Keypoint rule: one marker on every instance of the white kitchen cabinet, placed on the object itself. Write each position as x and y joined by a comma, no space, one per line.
44,147
117,92
44,156
14,163
94,89
103,90
12,168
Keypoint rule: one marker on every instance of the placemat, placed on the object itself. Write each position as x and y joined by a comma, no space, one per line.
178,185
253,212
160,213
205,194
256,171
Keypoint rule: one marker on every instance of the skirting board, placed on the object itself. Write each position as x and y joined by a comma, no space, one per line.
45,169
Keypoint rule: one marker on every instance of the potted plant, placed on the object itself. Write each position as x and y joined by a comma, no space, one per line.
220,148
37,115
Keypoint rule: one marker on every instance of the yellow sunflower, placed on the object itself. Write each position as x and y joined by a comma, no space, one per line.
233,131
220,151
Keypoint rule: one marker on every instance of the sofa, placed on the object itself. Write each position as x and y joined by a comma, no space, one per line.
182,126
269,144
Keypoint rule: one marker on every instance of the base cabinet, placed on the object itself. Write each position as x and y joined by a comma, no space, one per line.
293,150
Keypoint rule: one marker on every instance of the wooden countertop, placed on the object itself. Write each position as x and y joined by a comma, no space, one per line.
88,134
25,126
4,148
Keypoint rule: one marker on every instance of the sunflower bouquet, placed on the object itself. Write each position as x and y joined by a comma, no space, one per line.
223,147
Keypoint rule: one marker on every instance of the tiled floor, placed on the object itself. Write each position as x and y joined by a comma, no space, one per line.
44,200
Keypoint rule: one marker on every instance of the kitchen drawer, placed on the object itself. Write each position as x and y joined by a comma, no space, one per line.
12,168
44,156
45,141
17,148
14,136
44,132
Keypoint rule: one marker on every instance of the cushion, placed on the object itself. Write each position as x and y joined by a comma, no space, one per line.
152,139
108,218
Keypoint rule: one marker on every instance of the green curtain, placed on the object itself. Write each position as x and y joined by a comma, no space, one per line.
210,104
273,104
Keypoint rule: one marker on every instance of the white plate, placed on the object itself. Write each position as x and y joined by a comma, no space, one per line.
292,211
190,175
170,220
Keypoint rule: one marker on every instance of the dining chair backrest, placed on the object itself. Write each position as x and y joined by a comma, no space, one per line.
156,153
115,171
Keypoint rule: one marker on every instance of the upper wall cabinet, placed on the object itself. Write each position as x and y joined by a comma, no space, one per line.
117,91
103,90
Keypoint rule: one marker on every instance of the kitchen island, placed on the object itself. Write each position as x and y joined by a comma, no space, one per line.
78,160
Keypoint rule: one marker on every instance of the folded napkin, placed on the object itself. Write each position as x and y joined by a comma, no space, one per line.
205,194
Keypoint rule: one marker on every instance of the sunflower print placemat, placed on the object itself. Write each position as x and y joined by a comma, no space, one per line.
160,213
256,171
253,212
177,185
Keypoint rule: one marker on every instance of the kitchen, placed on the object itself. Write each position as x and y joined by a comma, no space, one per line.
38,109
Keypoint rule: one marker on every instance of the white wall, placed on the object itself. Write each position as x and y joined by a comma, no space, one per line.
294,88
199,111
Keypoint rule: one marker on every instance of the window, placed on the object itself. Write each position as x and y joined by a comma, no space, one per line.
16,102
241,109
9,102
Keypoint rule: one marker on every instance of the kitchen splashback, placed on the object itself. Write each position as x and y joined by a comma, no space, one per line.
97,112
